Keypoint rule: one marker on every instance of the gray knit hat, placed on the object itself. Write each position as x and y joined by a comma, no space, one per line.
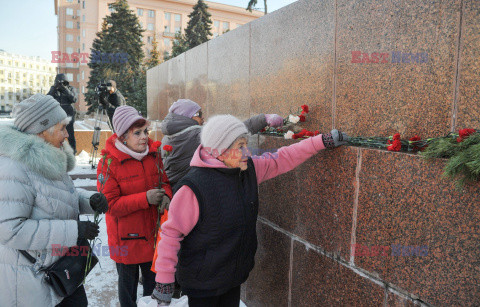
37,113
220,132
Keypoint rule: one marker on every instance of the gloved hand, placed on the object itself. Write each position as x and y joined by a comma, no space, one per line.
165,203
99,203
163,293
274,120
87,230
335,138
155,196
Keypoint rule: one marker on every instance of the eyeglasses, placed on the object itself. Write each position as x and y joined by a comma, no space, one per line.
198,114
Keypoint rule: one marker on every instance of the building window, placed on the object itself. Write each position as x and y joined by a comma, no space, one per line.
70,1
78,13
151,14
69,38
110,8
178,29
141,24
83,32
83,18
216,24
83,89
83,4
149,39
69,77
140,12
226,26
167,16
167,29
69,11
78,24
69,24
69,65
83,75
83,46
178,17
166,42
78,38
69,50
78,77
150,26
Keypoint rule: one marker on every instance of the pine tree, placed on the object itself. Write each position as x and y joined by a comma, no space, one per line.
154,59
121,56
180,45
96,72
199,26
252,3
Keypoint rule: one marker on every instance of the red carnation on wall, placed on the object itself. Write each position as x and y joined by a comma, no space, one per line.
415,138
464,133
302,118
396,146
304,108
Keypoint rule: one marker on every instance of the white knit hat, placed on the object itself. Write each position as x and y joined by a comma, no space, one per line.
220,132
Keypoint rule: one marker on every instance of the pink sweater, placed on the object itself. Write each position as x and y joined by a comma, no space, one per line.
184,211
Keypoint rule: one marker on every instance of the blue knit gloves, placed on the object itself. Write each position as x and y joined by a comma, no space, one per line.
163,293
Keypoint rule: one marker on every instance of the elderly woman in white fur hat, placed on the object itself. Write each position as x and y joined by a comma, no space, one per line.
209,241
39,205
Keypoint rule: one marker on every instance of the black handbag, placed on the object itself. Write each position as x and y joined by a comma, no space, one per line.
68,272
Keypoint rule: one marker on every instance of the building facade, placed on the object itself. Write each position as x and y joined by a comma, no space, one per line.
22,76
80,20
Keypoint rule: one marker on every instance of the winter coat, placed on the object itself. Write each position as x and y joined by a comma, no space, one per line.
183,134
187,215
223,242
66,96
39,207
131,221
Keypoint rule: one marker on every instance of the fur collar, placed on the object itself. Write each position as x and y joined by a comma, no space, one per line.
36,154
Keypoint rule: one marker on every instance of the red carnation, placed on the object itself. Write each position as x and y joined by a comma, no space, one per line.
103,152
156,145
396,136
305,108
316,132
464,133
167,148
302,118
396,146
415,138
309,133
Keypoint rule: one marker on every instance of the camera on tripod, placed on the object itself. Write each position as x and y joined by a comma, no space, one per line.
103,87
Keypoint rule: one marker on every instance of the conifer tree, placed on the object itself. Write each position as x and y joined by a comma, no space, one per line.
199,26
154,59
252,3
121,57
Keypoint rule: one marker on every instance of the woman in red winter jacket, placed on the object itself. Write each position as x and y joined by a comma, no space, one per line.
131,183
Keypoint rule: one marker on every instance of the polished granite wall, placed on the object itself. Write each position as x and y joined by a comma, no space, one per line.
369,68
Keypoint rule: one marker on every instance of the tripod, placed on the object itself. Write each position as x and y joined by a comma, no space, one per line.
101,113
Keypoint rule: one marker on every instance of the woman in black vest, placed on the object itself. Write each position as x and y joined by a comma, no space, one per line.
209,241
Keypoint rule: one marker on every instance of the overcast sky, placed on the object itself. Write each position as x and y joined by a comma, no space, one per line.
29,27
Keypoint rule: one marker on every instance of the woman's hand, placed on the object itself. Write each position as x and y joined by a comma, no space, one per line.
155,196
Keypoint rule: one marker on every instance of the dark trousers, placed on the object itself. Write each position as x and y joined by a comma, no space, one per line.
71,135
128,282
229,299
77,299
